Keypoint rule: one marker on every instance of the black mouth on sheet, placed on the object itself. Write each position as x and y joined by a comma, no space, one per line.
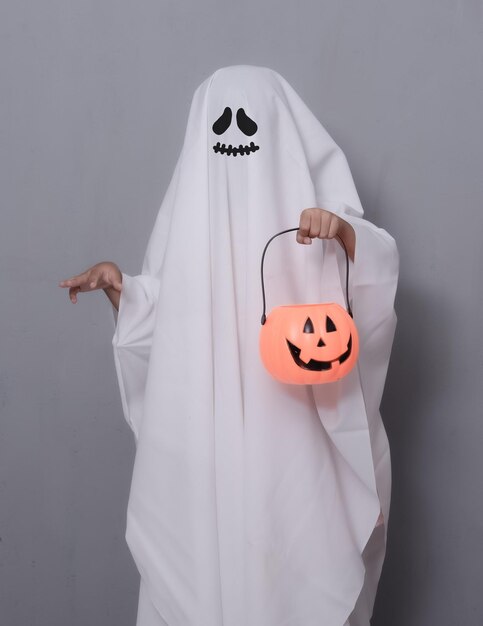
313,364
235,151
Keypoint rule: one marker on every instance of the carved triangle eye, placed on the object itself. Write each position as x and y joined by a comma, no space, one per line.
223,122
309,327
245,124
329,325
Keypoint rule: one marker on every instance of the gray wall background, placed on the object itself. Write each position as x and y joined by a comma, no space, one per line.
93,106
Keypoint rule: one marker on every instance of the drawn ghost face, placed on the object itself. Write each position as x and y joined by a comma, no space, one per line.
247,126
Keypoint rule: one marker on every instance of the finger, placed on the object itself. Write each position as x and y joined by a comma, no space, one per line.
94,280
324,225
63,283
106,279
334,227
315,224
117,284
304,223
109,279
114,283
113,279
301,239
304,228
73,293
73,280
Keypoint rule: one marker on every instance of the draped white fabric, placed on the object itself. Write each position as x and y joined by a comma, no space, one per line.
253,503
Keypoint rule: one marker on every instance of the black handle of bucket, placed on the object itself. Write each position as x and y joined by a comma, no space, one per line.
264,317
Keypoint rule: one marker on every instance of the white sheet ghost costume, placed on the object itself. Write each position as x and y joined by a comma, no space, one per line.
253,502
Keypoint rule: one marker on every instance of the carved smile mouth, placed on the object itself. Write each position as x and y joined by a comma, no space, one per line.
233,150
313,364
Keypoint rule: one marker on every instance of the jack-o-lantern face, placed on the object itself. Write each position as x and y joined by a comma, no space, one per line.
245,124
309,343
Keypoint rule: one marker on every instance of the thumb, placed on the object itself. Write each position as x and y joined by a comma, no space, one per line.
116,282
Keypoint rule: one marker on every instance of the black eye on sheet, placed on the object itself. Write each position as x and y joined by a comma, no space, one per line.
245,124
223,122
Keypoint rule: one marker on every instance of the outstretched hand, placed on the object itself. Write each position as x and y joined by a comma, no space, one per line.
324,224
104,275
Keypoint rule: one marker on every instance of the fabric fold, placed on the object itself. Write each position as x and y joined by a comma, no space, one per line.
132,341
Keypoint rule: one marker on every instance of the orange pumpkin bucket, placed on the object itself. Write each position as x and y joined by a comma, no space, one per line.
308,344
